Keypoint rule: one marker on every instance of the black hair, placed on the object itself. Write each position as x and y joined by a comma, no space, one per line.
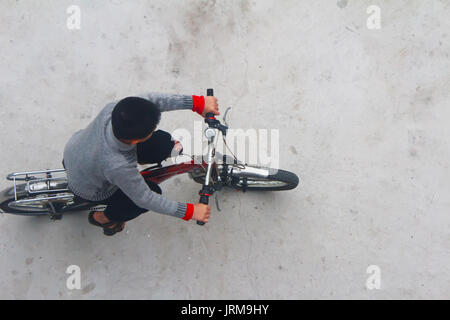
134,118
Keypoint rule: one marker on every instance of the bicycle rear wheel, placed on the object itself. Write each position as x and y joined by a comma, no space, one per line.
7,200
9,204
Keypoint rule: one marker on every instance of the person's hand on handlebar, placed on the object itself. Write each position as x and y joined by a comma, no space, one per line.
202,212
211,105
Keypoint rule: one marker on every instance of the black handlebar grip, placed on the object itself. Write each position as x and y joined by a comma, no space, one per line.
210,93
205,200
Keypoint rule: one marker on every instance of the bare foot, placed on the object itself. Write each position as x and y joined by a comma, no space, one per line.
101,218
177,148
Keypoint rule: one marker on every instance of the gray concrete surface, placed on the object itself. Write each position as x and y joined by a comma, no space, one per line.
362,116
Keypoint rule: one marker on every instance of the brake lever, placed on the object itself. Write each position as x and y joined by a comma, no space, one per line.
225,116
216,198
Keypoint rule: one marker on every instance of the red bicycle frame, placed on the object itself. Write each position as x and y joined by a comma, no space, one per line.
159,175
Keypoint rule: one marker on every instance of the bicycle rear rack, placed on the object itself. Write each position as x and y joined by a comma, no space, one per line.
41,182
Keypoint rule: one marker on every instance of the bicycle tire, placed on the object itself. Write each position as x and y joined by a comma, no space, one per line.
288,179
7,196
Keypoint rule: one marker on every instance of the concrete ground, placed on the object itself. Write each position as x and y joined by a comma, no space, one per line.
362,116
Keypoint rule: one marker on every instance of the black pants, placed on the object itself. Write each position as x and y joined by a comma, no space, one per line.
119,206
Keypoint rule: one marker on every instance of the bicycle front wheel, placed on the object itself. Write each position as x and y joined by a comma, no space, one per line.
275,180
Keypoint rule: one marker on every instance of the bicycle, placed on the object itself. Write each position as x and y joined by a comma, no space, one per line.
46,192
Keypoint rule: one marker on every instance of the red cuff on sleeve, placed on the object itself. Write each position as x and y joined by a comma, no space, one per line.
189,212
198,104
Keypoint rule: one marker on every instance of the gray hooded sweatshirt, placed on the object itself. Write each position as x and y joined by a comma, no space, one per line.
97,163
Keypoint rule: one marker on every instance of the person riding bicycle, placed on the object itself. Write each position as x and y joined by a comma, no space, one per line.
101,160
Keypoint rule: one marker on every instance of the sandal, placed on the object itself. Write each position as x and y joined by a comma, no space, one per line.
107,231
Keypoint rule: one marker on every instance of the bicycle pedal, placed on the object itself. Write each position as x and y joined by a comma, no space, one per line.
244,184
56,216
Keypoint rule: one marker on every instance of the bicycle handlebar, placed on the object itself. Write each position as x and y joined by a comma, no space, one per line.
205,192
